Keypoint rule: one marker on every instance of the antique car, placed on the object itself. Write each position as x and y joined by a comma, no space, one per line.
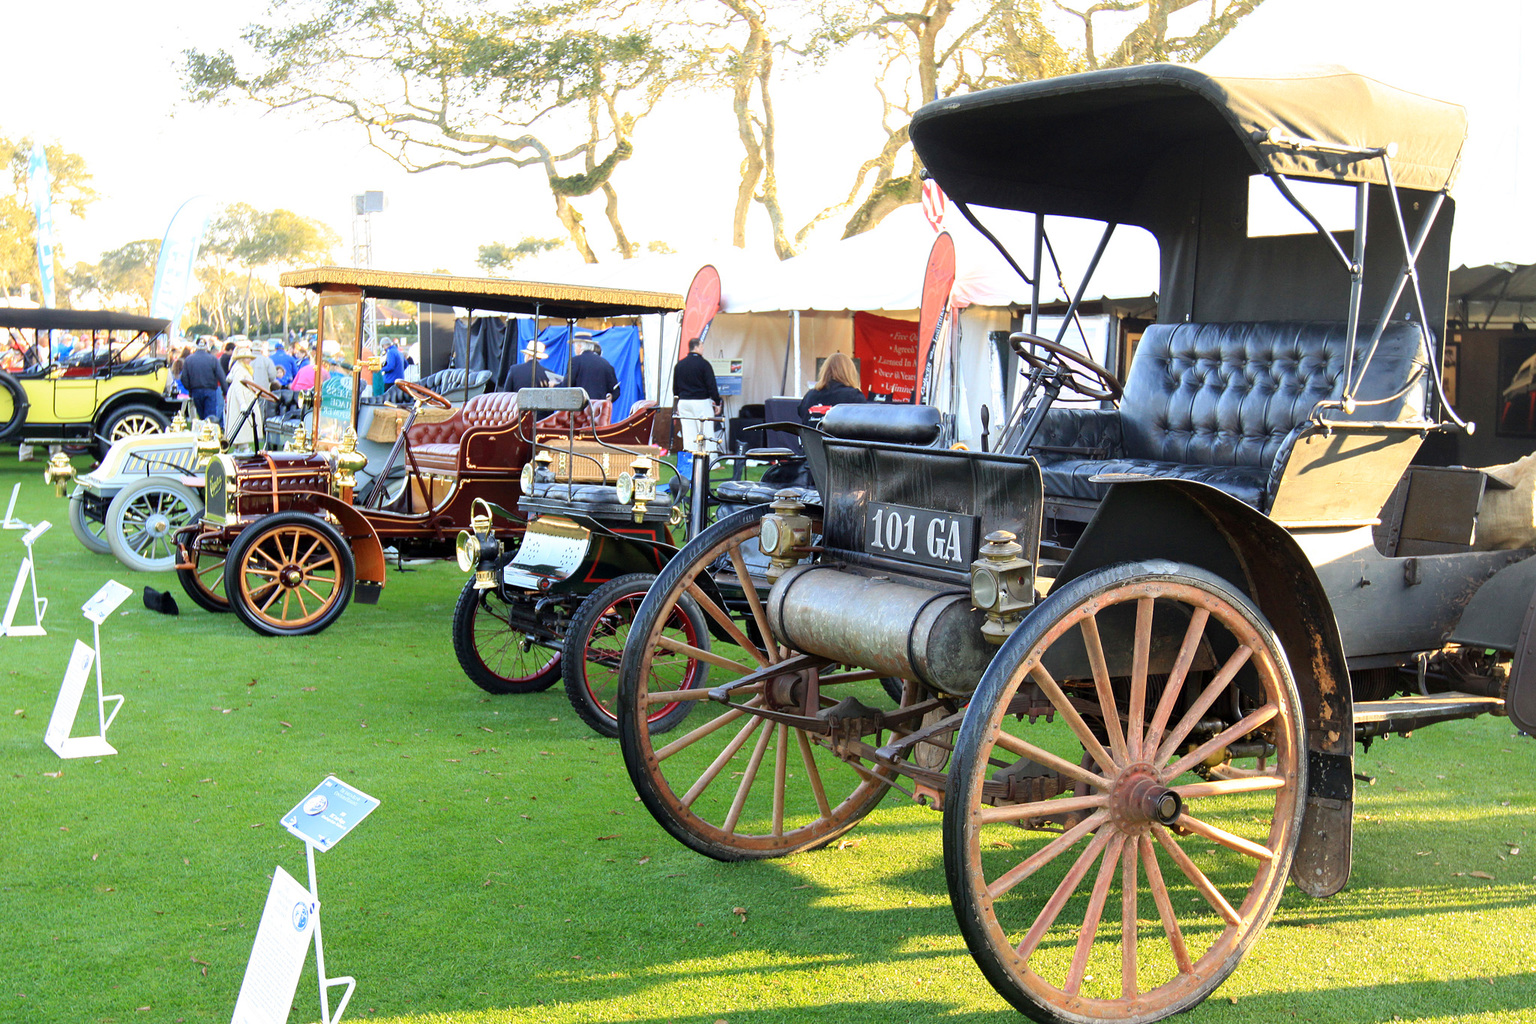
288,538
1139,639
80,375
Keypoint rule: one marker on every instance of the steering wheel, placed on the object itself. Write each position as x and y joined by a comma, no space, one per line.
1109,388
422,394
260,391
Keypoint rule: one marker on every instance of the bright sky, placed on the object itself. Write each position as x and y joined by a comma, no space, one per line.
104,84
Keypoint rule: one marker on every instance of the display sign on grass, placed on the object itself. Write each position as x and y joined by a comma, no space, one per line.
329,812
278,955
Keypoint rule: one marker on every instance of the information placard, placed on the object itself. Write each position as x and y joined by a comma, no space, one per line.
328,813
105,601
277,957
67,706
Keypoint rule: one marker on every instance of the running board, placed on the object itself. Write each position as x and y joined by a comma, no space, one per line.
1404,714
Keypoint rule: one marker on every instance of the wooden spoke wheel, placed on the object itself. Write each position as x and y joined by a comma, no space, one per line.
289,574
737,785
204,582
594,646
143,519
88,530
131,421
1130,887
498,655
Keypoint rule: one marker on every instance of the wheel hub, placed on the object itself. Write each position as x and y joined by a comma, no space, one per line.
157,525
290,576
1138,798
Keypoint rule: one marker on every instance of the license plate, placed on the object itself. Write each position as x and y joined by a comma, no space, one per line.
921,535
551,550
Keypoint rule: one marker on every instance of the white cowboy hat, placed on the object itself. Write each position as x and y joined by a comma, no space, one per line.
536,349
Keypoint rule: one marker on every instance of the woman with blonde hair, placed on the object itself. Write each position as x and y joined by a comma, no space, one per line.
838,384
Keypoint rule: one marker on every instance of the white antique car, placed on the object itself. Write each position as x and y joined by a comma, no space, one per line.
131,503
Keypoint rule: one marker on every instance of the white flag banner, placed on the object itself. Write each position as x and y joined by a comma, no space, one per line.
178,252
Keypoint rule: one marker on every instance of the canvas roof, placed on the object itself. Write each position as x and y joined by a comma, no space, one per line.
564,301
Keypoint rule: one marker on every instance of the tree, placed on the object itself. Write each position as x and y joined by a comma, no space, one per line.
246,237
497,255
439,83
18,224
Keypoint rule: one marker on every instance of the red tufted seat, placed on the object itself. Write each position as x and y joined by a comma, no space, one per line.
436,447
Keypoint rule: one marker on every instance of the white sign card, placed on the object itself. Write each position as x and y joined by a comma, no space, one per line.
12,523
30,537
328,813
26,573
105,601
67,706
288,923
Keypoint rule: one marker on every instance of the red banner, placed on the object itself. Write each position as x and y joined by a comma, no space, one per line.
886,350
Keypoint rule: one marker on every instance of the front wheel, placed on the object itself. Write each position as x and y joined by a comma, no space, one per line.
1172,777
289,574
88,530
497,655
131,421
204,581
143,519
594,646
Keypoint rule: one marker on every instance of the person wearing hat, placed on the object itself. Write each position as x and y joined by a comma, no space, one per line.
530,373
286,367
239,399
589,370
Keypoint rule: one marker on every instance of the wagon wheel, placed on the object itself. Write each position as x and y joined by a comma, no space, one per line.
88,530
143,519
736,786
289,574
1205,856
594,644
496,655
204,582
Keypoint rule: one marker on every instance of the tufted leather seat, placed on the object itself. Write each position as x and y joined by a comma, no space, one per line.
451,384
1222,404
436,447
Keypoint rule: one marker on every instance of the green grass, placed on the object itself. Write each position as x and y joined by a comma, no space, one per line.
509,874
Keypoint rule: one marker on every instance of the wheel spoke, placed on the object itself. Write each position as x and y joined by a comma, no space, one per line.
303,608
1175,685
720,761
301,559
690,738
1043,856
779,765
1196,877
1159,890
1141,653
1040,808
717,613
1225,787
748,778
1064,890
318,596
667,643
1129,928
273,595
1225,838
754,602
1095,910
813,774
1207,696
1090,630
1242,727
1024,748
1085,736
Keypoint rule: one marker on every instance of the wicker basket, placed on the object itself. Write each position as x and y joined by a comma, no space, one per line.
603,464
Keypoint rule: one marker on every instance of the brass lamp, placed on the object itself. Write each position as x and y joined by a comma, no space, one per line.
59,473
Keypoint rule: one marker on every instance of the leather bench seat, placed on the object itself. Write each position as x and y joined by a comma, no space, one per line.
1222,404
755,492
600,501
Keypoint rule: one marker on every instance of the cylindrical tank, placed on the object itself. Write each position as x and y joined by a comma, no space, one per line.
903,627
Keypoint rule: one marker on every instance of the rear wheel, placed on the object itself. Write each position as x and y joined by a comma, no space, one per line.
1174,778
497,656
204,582
289,574
594,646
143,519
131,421
13,408
87,528
739,785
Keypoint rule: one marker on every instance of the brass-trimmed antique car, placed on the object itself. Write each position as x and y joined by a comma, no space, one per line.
287,538
1139,642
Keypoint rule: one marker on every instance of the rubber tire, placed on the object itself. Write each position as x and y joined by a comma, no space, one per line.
110,423
991,947
116,512
11,428
251,536
204,599
465,611
80,524
577,670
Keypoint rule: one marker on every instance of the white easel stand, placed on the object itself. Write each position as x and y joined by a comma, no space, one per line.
103,603
11,522
26,572
326,984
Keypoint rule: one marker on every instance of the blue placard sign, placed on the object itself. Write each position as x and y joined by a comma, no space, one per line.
329,812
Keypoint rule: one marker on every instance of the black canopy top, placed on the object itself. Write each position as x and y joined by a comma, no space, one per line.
560,301
1104,144
79,320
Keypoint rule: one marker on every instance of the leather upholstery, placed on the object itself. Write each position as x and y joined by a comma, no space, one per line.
1223,403
448,383
489,410
436,447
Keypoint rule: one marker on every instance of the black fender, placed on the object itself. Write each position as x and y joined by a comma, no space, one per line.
1199,525
133,396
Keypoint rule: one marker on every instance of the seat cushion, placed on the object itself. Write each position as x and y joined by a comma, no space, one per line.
1072,478
442,459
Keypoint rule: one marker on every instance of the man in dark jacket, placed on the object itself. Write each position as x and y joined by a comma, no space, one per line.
204,381
590,370
698,397
530,373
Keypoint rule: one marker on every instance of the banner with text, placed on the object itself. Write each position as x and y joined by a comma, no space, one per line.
886,350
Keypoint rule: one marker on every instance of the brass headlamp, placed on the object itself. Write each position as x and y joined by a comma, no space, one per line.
178,423
637,486
1002,585
347,462
299,442
59,473
784,534
210,442
477,550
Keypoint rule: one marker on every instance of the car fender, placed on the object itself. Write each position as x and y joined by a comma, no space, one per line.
1199,525
132,396
363,539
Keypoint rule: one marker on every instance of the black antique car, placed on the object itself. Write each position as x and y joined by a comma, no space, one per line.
1140,639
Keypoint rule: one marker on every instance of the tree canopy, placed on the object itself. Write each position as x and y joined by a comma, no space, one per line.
71,189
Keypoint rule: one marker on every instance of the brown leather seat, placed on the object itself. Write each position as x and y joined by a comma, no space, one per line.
436,447
441,448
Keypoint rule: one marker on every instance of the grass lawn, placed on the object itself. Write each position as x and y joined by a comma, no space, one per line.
510,874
